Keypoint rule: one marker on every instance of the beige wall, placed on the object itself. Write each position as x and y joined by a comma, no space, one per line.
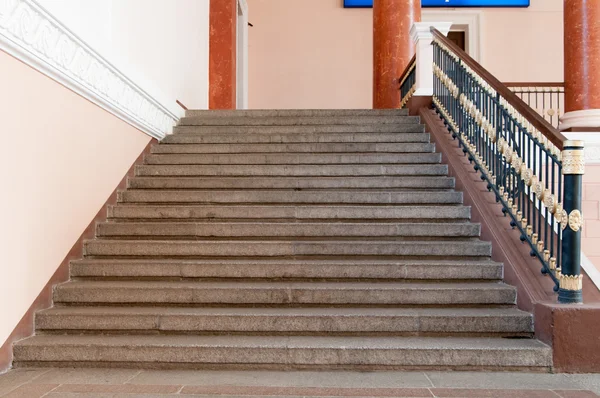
316,54
162,45
591,214
61,157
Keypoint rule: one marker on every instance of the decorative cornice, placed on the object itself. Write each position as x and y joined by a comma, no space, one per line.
32,35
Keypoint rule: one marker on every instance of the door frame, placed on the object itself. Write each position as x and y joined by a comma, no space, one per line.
467,21
242,55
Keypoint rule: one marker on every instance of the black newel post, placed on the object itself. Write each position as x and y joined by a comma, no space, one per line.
570,278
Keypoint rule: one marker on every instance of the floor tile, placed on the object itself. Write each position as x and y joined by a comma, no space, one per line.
502,380
14,378
476,393
307,391
87,376
119,388
576,394
286,379
31,391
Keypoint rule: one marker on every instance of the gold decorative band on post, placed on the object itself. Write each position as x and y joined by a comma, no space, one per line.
573,160
570,282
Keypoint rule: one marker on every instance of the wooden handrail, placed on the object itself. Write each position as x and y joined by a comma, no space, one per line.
407,69
520,106
181,105
533,84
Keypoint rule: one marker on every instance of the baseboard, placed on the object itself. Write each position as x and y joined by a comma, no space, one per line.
25,327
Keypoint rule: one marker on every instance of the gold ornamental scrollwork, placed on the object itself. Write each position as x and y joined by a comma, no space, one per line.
528,177
538,189
549,201
573,160
575,220
564,219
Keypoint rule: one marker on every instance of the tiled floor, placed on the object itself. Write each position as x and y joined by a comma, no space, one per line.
119,383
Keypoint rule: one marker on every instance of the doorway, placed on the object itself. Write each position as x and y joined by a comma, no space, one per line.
459,37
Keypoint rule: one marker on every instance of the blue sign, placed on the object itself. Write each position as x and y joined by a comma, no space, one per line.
448,3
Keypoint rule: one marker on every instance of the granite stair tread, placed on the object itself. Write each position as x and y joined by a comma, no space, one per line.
293,351
354,268
300,158
295,148
279,182
288,293
396,321
296,212
280,196
282,229
296,120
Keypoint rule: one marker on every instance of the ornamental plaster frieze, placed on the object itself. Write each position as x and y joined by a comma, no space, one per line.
32,35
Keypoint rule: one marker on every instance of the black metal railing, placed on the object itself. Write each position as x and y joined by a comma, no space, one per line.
533,170
408,82
547,99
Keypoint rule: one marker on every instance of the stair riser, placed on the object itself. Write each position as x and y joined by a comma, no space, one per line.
286,358
289,296
298,325
293,148
290,170
297,121
289,158
250,270
284,249
290,182
295,112
289,212
286,230
258,197
249,138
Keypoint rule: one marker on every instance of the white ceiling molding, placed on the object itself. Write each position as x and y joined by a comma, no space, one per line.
32,35
462,20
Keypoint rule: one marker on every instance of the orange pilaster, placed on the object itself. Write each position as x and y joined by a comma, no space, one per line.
582,54
393,47
222,54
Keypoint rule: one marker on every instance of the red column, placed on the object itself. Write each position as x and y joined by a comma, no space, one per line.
393,47
582,54
222,54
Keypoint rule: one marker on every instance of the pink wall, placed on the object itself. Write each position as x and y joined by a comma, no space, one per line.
309,54
591,214
61,158
316,54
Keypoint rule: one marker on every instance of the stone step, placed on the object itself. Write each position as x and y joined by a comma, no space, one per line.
353,268
284,352
422,182
281,248
276,293
299,321
296,158
258,229
305,212
408,129
294,112
243,137
296,120
291,170
323,147
289,196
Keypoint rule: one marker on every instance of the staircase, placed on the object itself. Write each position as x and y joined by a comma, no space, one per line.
288,240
